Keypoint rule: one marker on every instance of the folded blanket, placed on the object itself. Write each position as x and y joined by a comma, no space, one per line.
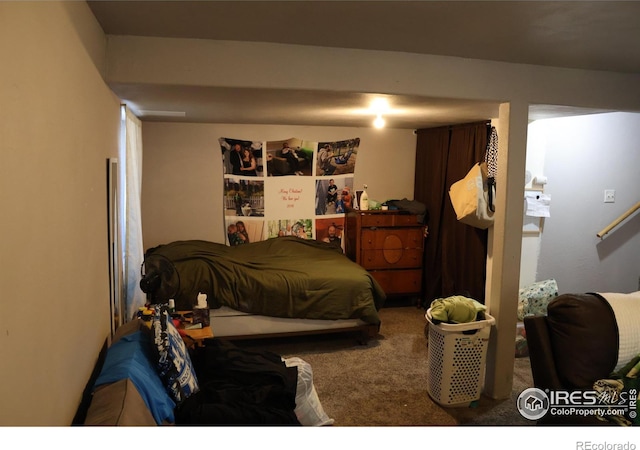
456,309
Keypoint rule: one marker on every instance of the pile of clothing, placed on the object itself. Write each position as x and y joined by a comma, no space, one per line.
456,309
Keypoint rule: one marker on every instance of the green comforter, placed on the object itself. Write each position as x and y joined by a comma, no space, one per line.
280,277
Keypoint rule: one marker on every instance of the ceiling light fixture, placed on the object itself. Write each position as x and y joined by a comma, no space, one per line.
378,107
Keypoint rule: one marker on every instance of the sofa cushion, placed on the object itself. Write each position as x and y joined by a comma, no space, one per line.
172,357
131,357
126,329
118,403
584,339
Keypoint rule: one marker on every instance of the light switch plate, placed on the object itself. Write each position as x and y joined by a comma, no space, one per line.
609,195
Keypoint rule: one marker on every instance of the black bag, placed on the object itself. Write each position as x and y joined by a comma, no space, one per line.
240,387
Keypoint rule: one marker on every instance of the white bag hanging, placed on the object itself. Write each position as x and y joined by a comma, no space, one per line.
470,198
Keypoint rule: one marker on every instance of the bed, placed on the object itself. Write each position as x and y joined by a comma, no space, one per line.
280,286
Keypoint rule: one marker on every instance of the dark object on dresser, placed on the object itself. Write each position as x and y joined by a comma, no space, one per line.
411,207
571,347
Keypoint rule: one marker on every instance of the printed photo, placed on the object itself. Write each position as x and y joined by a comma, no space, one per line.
336,158
289,157
244,231
242,157
243,197
331,231
302,228
334,195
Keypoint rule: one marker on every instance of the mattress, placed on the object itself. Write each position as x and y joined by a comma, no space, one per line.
226,322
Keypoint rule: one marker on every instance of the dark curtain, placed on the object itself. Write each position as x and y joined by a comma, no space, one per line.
455,254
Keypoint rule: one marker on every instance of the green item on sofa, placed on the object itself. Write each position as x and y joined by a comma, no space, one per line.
456,309
610,392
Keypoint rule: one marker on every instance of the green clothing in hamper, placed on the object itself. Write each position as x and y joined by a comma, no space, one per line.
456,309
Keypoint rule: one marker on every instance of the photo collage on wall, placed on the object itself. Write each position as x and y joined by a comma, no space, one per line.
290,187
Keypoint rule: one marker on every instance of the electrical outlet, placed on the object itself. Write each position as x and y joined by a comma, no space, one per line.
609,195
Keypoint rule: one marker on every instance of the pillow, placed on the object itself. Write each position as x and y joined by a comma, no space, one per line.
534,298
173,360
132,358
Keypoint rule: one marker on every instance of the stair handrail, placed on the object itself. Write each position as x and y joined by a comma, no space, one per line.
617,222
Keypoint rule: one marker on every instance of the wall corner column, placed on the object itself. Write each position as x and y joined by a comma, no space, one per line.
504,248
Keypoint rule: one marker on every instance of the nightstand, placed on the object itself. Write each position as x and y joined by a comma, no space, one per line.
195,336
198,335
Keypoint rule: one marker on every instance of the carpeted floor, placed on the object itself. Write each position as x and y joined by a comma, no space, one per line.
384,383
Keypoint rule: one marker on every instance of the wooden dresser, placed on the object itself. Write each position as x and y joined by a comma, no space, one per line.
389,245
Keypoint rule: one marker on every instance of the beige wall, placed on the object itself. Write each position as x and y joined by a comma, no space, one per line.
58,125
182,172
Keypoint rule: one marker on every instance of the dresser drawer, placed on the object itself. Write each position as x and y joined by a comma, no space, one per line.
400,258
391,238
389,220
390,245
377,220
406,220
399,282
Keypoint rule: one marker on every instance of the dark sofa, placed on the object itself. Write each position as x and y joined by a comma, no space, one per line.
136,386
571,347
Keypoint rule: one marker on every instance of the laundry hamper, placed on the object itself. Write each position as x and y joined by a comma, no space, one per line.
456,362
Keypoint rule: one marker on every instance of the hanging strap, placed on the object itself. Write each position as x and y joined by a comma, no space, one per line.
491,158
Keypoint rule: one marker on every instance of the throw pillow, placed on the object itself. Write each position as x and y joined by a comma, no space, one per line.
174,363
534,298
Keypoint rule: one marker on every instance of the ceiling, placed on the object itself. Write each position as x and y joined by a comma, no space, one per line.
574,34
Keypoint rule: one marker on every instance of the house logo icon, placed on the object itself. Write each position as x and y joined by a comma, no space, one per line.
533,403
